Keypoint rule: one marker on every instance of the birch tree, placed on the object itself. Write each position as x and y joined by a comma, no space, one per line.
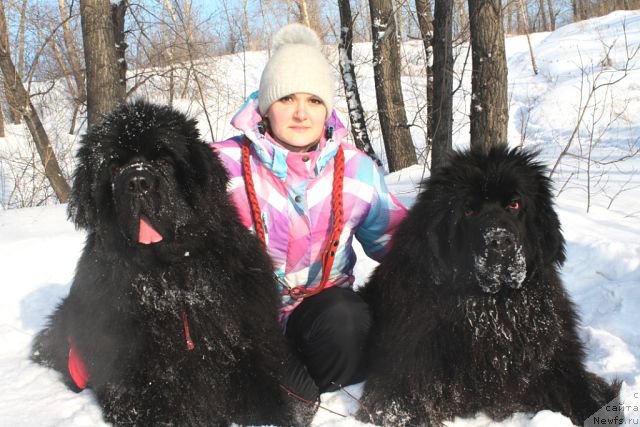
347,71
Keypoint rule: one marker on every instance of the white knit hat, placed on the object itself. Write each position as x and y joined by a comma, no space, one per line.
297,65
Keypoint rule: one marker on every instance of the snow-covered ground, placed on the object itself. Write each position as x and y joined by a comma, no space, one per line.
39,247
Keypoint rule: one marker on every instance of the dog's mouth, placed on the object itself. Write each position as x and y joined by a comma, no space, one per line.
147,233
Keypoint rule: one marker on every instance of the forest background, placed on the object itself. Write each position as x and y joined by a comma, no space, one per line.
97,53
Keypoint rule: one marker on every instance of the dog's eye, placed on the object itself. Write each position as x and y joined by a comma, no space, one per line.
514,205
469,212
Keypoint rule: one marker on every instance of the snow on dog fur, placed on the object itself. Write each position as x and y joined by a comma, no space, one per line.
470,314
171,316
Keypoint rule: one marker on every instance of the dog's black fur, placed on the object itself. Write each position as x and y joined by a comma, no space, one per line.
125,308
469,310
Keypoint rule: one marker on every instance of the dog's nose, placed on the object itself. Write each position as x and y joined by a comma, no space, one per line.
499,240
138,184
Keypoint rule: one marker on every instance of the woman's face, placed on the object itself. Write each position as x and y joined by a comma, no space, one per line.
296,121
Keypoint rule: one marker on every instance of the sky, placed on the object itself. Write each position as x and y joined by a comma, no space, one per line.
39,248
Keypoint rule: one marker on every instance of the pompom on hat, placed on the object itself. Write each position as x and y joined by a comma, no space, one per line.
297,65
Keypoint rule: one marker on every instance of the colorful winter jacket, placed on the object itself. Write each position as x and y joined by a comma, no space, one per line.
294,194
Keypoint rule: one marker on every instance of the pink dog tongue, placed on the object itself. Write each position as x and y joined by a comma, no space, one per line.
147,233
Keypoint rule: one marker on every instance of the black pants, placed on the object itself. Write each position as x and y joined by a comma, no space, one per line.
328,333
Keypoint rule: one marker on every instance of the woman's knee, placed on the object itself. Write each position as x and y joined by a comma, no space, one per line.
344,320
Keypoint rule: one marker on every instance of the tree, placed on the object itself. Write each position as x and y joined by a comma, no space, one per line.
552,15
543,16
425,23
20,101
104,85
442,116
581,10
489,105
309,15
77,84
386,71
347,71
118,11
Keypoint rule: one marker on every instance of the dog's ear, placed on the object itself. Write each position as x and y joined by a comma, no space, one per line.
82,207
542,218
424,236
545,220
218,176
548,224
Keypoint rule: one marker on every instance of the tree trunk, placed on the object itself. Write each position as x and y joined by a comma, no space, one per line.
523,11
103,71
397,6
386,71
118,12
425,22
21,38
442,82
581,10
304,12
520,20
20,102
543,16
347,71
79,92
489,104
552,15
1,124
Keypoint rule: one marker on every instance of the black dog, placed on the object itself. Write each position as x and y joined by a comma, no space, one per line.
172,315
469,311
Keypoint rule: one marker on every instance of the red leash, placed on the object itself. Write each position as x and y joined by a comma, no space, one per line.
337,210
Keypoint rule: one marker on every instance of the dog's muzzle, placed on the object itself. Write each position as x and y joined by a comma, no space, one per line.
501,262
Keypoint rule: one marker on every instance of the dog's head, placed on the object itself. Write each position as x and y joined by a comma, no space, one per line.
144,179
492,212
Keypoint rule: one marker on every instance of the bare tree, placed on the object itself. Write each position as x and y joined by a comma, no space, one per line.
104,90
386,70
592,84
460,20
118,11
523,11
508,10
543,16
489,104
348,73
442,116
309,15
552,15
76,85
16,117
1,124
20,101
581,9
425,23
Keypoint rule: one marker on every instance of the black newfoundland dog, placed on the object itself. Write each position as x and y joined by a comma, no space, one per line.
470,314
172,315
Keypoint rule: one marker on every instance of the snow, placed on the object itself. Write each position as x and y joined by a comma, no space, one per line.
39,247
490,270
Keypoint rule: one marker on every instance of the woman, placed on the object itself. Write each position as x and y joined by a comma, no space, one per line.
307,193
